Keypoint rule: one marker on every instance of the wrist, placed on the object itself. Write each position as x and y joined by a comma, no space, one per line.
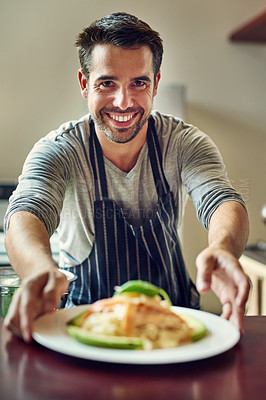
228,243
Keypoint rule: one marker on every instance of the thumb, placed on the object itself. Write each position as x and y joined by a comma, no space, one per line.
55,287
204,266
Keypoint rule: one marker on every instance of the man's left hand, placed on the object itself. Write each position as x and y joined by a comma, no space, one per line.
220,271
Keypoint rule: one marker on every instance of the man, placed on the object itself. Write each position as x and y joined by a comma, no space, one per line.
114,186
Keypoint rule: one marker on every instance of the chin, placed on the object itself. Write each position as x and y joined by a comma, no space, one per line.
120,138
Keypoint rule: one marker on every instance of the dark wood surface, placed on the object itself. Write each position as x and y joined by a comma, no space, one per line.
30,371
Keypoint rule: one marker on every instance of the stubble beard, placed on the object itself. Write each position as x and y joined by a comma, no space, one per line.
120,135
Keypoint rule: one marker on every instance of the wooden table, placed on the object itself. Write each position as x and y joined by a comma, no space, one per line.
33,372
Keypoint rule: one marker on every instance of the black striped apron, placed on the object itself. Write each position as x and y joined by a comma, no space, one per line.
121,251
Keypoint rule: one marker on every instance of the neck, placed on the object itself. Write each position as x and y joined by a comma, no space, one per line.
123,155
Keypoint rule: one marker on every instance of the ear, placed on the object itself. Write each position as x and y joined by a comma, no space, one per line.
83,84
158,77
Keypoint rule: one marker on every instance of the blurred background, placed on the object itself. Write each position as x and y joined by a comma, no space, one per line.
220,85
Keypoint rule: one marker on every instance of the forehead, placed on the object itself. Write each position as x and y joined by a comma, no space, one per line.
132,61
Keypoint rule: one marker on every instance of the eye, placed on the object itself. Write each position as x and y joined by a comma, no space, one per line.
139,84
107,84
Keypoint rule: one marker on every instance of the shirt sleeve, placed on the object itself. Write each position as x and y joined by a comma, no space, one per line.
42,184
204,175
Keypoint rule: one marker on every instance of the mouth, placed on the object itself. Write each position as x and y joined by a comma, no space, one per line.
122,120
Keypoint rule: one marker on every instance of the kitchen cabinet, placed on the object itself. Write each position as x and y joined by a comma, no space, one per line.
255,268
253,30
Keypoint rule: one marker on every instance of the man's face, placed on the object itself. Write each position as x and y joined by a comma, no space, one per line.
121,88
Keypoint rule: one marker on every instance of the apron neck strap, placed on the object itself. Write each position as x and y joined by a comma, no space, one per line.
155,155
97,161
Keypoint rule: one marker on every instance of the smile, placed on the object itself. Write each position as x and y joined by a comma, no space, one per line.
121,118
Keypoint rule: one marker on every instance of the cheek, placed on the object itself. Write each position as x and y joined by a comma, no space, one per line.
95,101
147,99
143,97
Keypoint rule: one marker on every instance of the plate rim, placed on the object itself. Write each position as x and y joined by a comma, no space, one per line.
59,341
69,275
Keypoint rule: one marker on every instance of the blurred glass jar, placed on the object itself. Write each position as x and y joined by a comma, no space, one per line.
10,282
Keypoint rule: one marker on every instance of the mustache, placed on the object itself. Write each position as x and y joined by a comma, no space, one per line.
118,110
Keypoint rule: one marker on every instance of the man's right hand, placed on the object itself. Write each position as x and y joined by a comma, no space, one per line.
39,293
28,248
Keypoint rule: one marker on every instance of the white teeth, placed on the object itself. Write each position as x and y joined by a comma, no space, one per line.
121,118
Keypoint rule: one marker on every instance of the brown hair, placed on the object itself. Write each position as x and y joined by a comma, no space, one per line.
122,30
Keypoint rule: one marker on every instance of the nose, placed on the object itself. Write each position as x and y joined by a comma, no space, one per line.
123,98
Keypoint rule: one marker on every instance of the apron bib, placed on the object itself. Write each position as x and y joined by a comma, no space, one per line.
123,252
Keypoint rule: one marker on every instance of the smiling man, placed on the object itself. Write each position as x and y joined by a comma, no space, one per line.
120,90
114,185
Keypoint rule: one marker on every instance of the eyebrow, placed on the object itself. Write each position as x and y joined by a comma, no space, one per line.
106,78
115,78
142,78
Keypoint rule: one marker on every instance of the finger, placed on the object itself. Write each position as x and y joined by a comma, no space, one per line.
15,320
30,304
205,266
237,318
226,310
54,289
12,319
240,320
234,314
240,304
30,308
243,284
239,300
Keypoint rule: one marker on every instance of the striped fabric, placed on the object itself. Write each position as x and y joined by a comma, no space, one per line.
122,252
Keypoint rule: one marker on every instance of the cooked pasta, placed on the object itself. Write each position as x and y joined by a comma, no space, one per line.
137,315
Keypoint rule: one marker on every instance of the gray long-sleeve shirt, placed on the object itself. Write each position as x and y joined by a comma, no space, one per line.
57,183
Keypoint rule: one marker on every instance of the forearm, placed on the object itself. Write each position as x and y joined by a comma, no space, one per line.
229,228
27,244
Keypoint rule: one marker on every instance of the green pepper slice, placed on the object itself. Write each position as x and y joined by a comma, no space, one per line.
114,342
199,329
143,287
79,319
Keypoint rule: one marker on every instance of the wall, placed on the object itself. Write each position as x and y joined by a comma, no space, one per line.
225,84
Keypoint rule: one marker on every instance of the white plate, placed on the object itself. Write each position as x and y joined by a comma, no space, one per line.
70,276
50,331
9,278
